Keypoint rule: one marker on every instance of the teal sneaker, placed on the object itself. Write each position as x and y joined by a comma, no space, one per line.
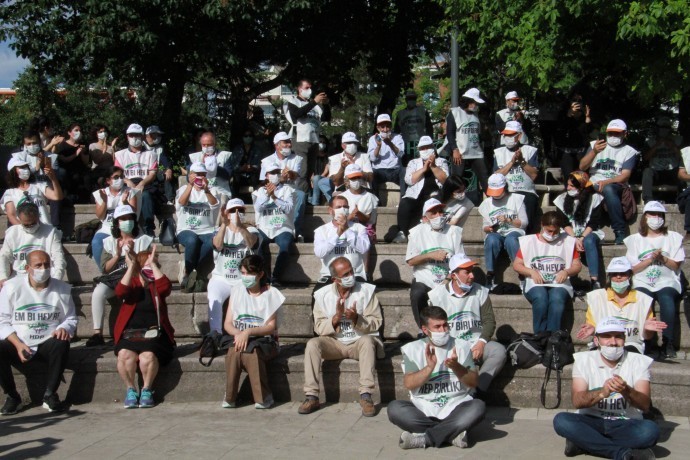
146,399
131,399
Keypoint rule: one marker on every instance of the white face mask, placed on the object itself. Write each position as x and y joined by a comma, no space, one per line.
40,275
117,184
102,135
513,106
614,141
249,281
459,196
274,179
437,222
23,173
156,141
322,146
76,135
32,149
31,229
348,281
425,154
440,338
620,286
134,142
655,222
127,226
573,193
464,287
384,135
355,184
234,218
286,151
341,212
612,353
351,149
510,142
549,237
305,93
208,150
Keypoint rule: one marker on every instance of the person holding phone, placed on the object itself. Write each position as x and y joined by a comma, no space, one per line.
386,150
571,135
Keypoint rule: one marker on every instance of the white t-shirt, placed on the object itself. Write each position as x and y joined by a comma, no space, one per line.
141,243
275,217
656,276
292,162
517,179
366,203
36,195
611,162
352,245
387,159
32,160
197,215
113,201
361,159
249,311
212,163
327,299
459,209
632,368
413,190
19,243
509,206
423,240
632,314
467,134
137,165
548,259
464,312
443,392
227,261
580,227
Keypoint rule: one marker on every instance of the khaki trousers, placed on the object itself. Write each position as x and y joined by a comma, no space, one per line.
254,364
329,348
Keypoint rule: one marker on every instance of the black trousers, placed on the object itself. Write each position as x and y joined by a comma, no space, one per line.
409,213
419,298
55,352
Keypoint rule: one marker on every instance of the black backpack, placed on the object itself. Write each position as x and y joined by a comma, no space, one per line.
558,353
527,349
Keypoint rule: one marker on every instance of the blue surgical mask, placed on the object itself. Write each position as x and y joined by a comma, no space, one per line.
127,226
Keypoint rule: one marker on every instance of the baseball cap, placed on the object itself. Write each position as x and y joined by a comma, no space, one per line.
353,170
198,167
609,324
123,210
349,137
460,260
432,203
473,93
281,136
383,118
497,182
654,206
135,129
154,129
512,127
234,203
271,166
619,265
617,125
512,95
14,162
425,141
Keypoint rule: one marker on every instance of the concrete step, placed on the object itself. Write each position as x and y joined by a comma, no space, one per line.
91,376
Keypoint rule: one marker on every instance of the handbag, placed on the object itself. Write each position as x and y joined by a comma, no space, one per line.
527,349
628,203
168,233
113,278
212,345
152,333
557,354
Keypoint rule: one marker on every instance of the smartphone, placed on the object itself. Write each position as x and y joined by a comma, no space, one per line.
26,354
602,136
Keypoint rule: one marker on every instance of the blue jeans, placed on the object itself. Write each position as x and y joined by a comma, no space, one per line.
284,240
612,197
148,211
321,185
606,438
97,247
548,304
591,244
300,205
493,244
198,249
667,298
395,175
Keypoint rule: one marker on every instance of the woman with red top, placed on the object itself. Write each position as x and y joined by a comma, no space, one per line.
143,333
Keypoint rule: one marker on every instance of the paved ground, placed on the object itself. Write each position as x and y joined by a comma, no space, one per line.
205,431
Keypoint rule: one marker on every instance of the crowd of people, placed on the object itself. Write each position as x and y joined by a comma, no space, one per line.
449,368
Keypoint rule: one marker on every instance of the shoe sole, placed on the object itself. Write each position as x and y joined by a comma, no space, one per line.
47,407
136,406
227,405
146,406
299,411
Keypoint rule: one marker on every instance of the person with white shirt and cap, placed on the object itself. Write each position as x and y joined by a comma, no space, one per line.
511,112
233,241
274,206
386,150
216,162
197,207
620,299
431,245
23,185
37,322
611,389
350,155
164,173
463,131
656,254
424,177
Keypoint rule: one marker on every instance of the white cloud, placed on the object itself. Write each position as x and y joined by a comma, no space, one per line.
11,66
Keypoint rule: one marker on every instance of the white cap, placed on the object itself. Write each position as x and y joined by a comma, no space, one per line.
619,265
432,203
353,169
617,125
154,129
14,162
460,260
135,129
281,136
271,165
654,206
497,182
512,95
123,210
234,203
384,117
349,137
609,324
425,141
512,127
198,167
473,93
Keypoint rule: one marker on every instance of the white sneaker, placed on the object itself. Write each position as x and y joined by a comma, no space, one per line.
400,238
228,405
412,440
461,440
181,275
267,404
300,239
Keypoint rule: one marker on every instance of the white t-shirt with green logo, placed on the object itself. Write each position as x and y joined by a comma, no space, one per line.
611,162
137,165
464,313
548,259
327,299
36,193
467,134
509,206
656,276
113,201
197,215
274,217
249,311
580,227
227,261
423,240
517,179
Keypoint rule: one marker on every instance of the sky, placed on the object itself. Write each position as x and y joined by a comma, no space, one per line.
10,65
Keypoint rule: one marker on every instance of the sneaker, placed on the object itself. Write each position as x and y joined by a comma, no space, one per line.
412,440
190,284
368,407
300,239
181,275
668,349
228,405
11,406
201,285
95,340
572,449
490,284
309,405
267,404
642,454
461,440
620,236
146,399
131,399
53,403
400,238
